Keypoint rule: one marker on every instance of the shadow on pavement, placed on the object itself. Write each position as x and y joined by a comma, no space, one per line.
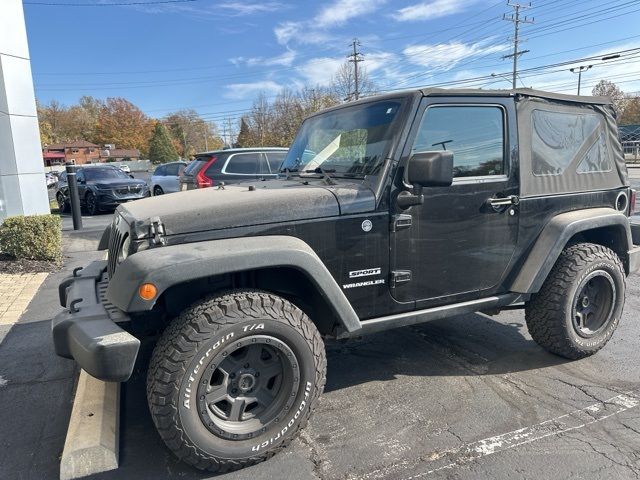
469,345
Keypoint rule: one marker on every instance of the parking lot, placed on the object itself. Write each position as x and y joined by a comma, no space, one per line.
468,397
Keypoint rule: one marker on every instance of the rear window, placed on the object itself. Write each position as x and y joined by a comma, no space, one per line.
195,166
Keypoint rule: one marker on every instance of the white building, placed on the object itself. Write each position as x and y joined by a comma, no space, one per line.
22,182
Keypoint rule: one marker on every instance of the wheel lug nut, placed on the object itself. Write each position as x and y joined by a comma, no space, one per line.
233,375
246,365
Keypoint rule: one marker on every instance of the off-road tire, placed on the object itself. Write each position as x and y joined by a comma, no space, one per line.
549,313
188,340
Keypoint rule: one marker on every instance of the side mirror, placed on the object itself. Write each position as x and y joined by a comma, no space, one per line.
431,169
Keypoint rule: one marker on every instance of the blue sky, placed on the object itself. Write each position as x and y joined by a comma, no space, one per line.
216,56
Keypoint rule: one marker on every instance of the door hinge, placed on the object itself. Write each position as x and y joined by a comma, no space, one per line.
400,276
400,222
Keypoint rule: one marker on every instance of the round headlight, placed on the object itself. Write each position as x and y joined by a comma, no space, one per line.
124,250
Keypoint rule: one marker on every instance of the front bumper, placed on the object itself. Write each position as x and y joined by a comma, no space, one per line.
86,331
109,199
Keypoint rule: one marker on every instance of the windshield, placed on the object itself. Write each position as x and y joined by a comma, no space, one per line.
103,173
351,141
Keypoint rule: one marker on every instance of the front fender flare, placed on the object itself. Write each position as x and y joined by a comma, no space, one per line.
555,236
172,265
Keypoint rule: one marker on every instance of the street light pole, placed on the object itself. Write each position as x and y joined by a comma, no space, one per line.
579,70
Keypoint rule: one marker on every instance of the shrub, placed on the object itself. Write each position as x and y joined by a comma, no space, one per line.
33,237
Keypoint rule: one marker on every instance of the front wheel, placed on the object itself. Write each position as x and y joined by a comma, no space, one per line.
91,202
234,378
580,303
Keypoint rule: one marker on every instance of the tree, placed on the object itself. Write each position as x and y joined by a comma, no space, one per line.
160,146
631,113
123,124
191,134
244,136
343,84
605,88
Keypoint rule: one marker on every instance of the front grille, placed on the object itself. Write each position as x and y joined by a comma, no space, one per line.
128,191
118,231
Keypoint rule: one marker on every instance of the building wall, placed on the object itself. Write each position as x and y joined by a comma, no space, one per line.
22,183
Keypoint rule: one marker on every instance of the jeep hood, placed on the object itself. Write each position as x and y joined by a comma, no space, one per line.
248,204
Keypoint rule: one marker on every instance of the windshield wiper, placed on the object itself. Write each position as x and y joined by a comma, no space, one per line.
324,173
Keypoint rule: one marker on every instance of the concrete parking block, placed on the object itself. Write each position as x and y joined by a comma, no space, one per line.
91,445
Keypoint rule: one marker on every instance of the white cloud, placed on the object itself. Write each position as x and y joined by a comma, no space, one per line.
341,11
242,91
333,15
285,60
320,71
430,10
445,56
249,8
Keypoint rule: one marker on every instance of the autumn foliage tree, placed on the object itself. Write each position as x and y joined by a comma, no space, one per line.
122,123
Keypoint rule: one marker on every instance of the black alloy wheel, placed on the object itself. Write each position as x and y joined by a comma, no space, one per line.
63,205
157,190
594,303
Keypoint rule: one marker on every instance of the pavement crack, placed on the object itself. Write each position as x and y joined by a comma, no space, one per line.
314,456
635,470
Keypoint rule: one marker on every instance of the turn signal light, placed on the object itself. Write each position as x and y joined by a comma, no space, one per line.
147,291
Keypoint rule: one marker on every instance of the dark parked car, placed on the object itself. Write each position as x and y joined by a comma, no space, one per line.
233,165
101,187
166,178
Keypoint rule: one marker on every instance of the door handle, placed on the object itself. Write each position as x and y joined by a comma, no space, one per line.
499,202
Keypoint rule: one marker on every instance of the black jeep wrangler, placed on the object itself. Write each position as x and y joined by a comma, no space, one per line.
389,211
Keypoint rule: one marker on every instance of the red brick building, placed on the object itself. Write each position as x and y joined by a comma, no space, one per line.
78,152
81,152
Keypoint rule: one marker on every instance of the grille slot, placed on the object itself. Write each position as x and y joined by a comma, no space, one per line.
115,242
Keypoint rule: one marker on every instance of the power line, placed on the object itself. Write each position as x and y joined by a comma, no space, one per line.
117,4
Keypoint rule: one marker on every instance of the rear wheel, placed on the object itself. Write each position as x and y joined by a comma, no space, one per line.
157,190
233,379
580,303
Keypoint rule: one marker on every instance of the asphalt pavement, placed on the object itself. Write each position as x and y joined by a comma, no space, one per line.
472,397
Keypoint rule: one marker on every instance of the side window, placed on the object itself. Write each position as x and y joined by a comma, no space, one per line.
159,172
80,176
275,159
558,139
172,170
475,135
243,164
63,177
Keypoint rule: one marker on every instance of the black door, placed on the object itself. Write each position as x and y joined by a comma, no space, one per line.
462,237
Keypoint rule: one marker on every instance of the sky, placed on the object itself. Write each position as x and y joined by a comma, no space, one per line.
216,56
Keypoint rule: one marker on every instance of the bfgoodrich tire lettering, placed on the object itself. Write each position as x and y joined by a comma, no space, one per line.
551,313
197,343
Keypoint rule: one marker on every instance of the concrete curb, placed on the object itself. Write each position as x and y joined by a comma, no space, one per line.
91,445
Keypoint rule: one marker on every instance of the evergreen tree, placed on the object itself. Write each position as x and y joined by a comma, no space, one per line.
244,137
161,149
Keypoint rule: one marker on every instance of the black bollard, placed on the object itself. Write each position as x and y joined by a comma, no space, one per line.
72,184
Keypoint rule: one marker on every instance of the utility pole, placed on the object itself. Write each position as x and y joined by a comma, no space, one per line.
355,58
515,18
230,132
579,70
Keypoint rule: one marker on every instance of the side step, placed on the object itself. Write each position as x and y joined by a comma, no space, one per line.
436,313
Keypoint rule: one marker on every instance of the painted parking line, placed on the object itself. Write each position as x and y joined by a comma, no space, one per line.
439,461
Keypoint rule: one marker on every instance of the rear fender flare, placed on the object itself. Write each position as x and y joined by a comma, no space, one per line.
554,238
